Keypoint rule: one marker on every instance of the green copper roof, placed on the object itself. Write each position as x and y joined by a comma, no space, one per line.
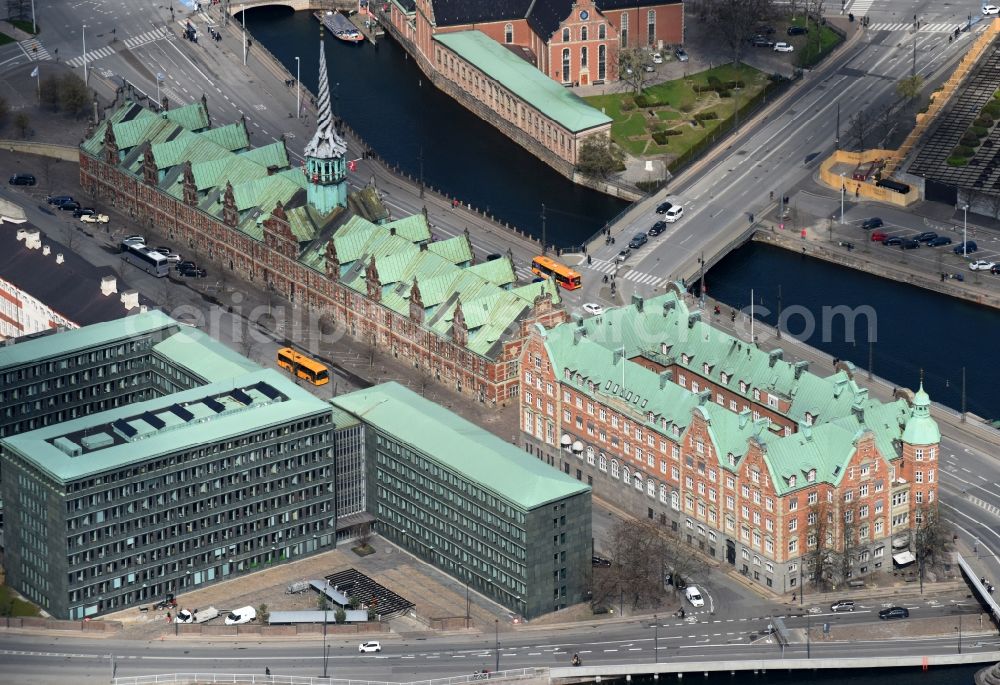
527,82
203,355
414,228
273,155
497,271
193,117
457,250
459,446
921,429
232,137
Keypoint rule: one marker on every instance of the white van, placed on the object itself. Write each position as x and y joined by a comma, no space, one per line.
196,616
693,595
241,616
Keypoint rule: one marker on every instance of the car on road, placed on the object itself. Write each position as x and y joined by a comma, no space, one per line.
58,200
894,612
995,269
879,236
94,218
842,605
909,244
601,561
240,616
664,207
22,180
873,222
134,239
761,42
892,240
966,247
939,241
658,228
783,47
925,237
797,31
83,210
493,257
638,240
370,646
70,206
192,272
693,595
673,214
681,55
657,58
624,254
981,265
990,9
593,308
187,264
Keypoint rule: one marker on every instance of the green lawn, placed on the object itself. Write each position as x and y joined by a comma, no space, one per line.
4,39
13,606
25,26
814,46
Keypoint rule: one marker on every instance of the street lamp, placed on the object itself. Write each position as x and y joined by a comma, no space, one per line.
467,607
960,633
298,88
496,632
159,77
965,230
326,605
243,19
84,54
843,192
656,640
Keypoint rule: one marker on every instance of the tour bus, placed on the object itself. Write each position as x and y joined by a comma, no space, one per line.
549,268
150,261
303,367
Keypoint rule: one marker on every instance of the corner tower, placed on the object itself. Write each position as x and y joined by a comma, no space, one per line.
325,165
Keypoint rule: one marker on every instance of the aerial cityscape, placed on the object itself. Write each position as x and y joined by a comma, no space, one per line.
538,340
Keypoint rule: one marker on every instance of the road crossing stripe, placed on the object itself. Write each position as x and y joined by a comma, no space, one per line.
902,26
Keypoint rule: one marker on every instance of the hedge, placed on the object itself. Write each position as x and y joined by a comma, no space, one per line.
957,161
979,131
661,136
962,151
984,121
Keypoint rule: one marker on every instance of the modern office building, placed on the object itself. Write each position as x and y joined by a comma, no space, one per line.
473,505
751,458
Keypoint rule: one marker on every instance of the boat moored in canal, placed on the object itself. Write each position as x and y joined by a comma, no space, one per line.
340,26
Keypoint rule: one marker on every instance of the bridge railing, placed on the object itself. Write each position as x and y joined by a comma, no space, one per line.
264,679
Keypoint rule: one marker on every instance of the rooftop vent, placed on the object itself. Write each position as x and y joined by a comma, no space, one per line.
108,285
773,356
637,302
33,240
693,317
59,258
130,298
668,305
46,250
800,368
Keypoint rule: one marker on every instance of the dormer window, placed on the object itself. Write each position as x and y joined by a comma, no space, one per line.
791,481
685,358
567,373
732,459
808,419
706,368
756,395
664,348
743,386
811,475
724,377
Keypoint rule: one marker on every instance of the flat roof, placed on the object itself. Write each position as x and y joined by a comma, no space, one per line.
138,432
524,80
468,450
203,355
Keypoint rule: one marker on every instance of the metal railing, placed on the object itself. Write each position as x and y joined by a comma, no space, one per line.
258,679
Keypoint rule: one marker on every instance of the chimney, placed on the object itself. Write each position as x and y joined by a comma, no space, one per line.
637,302
59,258
130,298
423,247
665,378
46,250
33,240
693,317
744,418
108,285
392,230
577,334
618,356
773,356
806,432
667,306
800,368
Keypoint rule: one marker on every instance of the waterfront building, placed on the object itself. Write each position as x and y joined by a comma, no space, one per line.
46,286
291,231
473,505
751,458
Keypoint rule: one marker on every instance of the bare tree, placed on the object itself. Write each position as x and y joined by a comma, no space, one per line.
850,536
248,345
819,559
735,22
364,535
859,127
631,68
932,537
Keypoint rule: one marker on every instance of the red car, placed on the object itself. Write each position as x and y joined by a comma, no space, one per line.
879,236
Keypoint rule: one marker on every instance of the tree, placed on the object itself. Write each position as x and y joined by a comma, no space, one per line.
859,126
247,343
263,615
22,123
909,87
850,535
49,92
364,535
74,98
818,558
735,22
932,537
340,616
599,156
631,68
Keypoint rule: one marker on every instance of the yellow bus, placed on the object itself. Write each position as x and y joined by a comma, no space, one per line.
303,367
550,268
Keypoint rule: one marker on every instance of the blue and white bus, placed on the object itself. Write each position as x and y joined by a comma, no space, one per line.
150,261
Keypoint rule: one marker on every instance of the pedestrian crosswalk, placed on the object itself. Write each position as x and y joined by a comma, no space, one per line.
91,56
638,277
147,37
35,51
859,8
941,27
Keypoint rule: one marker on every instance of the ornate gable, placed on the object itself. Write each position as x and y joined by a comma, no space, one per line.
149,174
372,281
416,304
230,216
332,262
110,146
190,190
278,233
459,331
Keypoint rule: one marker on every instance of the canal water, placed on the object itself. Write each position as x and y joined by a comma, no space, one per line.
951,675
385,98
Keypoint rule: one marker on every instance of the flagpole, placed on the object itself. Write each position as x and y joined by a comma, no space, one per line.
38,80
751,317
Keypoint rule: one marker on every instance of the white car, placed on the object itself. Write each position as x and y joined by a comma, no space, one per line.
172,257
783,47
593,308
241,616
991,9
673,214
94,218
981,265
657,58
693,595
370,646
184,616
138,239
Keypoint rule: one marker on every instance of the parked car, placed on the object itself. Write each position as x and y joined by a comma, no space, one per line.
94,218
909,244
879,236
939,241
966,247
765,30
783,47
797,30
894,612
192,272
693,595
926,237
638,240
995,269
70,206
892,240
172,257
673,214
493,257
22,180
370,646
188,264
842,605
981,265
648,68
83,210
681,55
240,616
593,308
134,239
601,561
761,42
59,199
657,58
664,207
658,228
873,222
990,9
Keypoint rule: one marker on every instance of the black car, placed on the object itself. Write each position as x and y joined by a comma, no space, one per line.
70,206
80,211
192,272
797,30
995,269
601,561
765,30
939,241
892,240
761,42
186,264
894,612
58,200
871,223
965,248
638,240
22,180
926,237
909,244
493,257
664,207
658,228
